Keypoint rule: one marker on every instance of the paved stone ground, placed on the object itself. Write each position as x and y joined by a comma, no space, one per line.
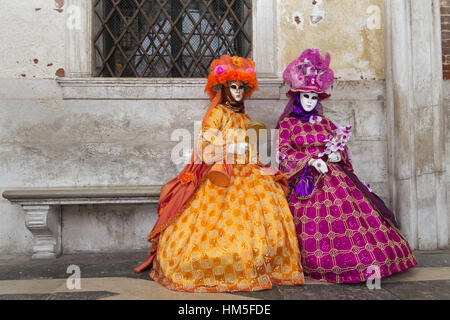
111,276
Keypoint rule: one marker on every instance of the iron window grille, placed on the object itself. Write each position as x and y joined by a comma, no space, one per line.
168,38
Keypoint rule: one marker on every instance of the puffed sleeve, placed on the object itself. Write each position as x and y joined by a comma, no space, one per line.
292,161
210,145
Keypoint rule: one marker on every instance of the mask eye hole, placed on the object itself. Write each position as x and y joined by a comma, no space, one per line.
235,87
306,96
314,98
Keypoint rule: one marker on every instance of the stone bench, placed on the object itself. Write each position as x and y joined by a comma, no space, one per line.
43,209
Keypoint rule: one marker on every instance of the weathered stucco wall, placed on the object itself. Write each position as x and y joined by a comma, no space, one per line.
32,40
351,31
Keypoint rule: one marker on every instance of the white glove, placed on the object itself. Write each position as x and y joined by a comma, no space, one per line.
335,157
319,165
237,148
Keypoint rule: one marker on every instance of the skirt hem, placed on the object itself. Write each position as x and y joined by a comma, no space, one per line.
214,289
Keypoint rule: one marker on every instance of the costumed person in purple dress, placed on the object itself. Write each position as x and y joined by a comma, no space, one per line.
346,233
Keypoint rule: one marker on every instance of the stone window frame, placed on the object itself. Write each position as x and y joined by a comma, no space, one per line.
79,82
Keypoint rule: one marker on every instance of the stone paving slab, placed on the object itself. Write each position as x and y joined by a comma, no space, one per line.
94,295
92,265
111,289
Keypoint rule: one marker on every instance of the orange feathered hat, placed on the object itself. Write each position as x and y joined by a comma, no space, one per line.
227,69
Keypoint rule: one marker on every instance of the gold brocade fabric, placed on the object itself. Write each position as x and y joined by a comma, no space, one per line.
236,238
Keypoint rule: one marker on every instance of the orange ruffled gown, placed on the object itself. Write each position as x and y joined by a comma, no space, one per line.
236,238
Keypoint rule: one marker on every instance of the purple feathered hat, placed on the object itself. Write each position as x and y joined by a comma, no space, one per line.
309,73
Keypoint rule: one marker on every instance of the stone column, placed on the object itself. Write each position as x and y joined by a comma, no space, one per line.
79,38
415,117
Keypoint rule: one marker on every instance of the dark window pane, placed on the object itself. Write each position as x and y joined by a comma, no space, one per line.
168,38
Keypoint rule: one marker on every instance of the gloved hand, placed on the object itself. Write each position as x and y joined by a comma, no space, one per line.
319,165
237,148
334,157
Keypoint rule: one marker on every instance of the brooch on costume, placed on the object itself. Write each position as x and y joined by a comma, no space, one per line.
187,178
315,119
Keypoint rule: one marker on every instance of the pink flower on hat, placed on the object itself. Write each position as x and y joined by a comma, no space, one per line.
220,69
250,70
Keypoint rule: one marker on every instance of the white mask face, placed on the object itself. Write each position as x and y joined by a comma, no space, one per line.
237,90
309,100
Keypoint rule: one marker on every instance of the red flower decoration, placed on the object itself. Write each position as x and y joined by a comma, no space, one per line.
187,177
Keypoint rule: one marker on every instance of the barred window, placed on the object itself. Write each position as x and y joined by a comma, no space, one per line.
168,38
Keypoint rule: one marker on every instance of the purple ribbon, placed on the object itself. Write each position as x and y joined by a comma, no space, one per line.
304,186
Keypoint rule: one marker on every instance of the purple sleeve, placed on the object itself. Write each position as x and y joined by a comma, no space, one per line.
291,159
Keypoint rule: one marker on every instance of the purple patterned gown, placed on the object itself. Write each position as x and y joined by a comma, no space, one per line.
343,235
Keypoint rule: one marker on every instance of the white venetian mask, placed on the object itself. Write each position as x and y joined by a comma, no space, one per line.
237,90
309,100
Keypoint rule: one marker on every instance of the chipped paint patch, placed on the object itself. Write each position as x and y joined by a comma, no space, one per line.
60,72
59,3
297,19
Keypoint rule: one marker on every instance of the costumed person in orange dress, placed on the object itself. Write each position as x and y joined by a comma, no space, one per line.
345,231
224,223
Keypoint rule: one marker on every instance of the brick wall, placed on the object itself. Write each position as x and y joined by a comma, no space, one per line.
445,25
